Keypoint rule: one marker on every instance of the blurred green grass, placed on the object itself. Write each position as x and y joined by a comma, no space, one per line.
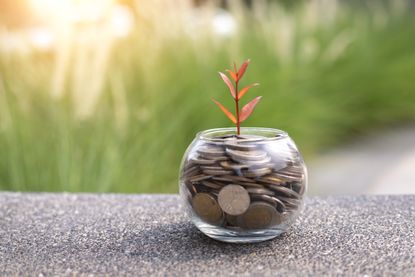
117,115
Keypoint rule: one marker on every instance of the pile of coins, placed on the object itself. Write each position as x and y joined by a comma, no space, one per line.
242,184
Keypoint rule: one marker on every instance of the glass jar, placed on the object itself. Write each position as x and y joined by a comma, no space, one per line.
246,188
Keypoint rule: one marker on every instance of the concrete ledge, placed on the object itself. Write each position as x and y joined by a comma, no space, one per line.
116,235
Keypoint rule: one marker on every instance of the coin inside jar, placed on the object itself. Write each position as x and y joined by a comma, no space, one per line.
234,199
246,155
207,208
259,215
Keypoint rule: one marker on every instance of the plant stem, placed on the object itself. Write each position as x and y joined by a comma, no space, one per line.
238,123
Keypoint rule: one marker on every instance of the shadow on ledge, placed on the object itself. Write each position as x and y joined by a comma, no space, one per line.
183,242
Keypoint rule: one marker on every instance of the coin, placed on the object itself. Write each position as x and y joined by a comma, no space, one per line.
271,180
233,166
284,190
231,220
246,155
191,171
222,178
293,174
211,185
232,144
211,167
217,172
290,202
259,215
207,208
253,163
287,177
210,152
202,161
297,187
199,177
270,199
256,172
231,178
260,191
250,185
233,199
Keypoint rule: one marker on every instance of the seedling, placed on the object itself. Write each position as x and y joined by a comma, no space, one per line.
240,114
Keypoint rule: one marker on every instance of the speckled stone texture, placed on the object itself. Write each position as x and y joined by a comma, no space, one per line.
117,235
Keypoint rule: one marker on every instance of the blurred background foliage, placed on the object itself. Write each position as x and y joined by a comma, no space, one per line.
105,96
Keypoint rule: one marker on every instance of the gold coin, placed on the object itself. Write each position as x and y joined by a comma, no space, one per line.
234,199
207,208
259,215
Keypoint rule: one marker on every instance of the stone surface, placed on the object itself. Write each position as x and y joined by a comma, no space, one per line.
117,235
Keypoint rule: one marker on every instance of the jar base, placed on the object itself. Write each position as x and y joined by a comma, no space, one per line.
237,235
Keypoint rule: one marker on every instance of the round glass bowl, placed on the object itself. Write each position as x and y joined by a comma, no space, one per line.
242,189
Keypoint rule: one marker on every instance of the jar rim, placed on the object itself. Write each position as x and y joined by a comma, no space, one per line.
261,134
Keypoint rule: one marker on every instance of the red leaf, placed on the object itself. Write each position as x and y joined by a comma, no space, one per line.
241,71
233,75
226,111
228,83
245,89
249,108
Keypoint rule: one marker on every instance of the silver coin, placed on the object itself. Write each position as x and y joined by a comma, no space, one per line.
210,152
263,191
246,155
285,191
290,202
296,186
234,199
290,173
233,166
199,177
208,167
217,172
250,185
211,185
237,178
270,199
288,178
222,178
233,144
191,171
252,173
258,163
270,179
202,161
